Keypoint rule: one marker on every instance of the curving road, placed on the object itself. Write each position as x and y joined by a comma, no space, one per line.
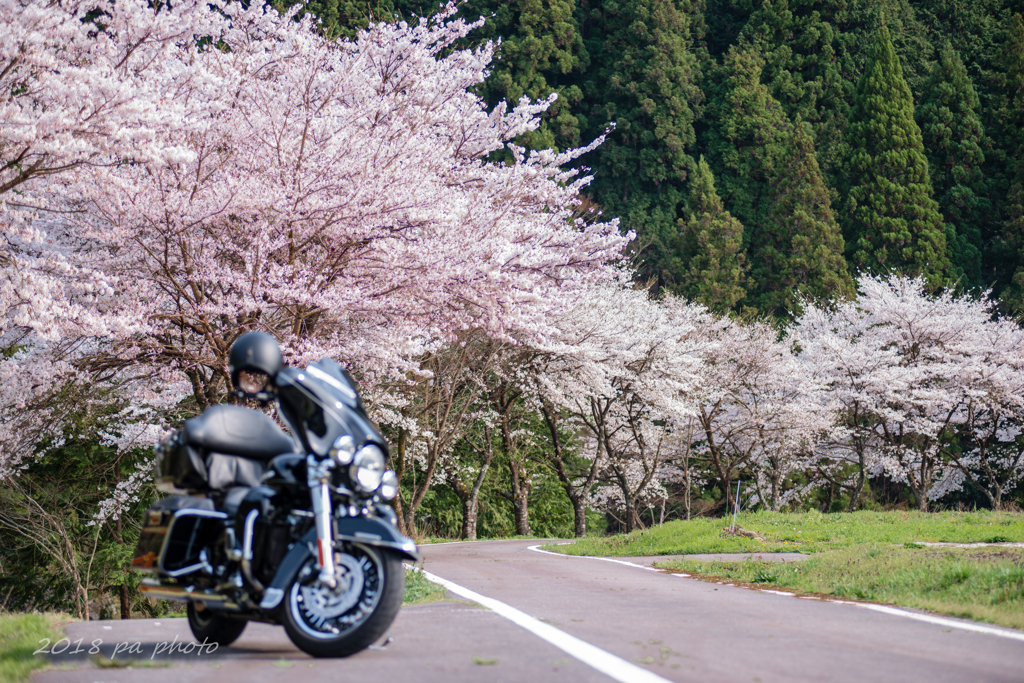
551,617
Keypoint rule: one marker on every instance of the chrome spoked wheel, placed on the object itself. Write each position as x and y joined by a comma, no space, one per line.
335,622
326,612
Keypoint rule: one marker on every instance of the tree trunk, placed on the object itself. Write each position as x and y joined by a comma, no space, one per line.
775,494
470,507
686,469
520,499
470,496
126,605
760,493
830,498
577,494
686,493
400,472
859,486
920,488
520,480
433,454
579,511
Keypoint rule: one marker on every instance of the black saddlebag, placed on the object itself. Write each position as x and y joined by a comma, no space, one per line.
174,532
179,466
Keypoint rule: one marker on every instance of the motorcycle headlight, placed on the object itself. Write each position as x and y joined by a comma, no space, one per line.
343,449
389,485
367,469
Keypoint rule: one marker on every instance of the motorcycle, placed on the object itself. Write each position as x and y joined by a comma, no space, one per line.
289,530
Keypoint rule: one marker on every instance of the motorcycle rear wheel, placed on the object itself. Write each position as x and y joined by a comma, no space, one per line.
209,626
339,622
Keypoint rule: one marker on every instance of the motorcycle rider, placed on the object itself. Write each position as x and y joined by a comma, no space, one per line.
253,361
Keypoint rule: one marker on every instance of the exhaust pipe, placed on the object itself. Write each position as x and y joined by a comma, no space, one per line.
157,591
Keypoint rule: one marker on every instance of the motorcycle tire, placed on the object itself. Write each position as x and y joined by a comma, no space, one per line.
339,622
209,626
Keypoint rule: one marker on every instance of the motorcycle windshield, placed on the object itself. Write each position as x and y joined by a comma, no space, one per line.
321,402
338,380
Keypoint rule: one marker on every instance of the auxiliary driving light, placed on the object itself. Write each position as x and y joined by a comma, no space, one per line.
389,485
343,449
367,470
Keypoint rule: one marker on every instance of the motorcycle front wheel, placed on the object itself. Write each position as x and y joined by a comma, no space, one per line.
340,621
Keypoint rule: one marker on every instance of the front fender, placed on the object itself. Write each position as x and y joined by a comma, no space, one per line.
365,530
376,532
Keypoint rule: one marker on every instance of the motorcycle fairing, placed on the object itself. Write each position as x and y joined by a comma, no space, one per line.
305,397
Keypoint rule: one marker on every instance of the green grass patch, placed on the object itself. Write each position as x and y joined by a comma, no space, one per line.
984,584
418,590
807,532
20,636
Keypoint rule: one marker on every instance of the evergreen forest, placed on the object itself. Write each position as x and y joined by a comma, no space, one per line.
768,152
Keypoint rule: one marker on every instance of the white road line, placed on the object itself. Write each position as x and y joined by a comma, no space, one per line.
604,662
536,549
941,621
892,611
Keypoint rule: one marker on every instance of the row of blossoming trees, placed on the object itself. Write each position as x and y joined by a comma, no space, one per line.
173,177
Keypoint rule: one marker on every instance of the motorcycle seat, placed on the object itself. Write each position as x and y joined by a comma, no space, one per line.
238,431
227,471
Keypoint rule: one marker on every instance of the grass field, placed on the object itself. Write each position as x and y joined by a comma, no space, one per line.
807,532
873,556
20,636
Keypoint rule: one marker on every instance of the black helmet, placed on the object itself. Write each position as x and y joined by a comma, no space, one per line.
254,360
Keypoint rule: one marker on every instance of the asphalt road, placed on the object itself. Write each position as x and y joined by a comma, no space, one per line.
575,619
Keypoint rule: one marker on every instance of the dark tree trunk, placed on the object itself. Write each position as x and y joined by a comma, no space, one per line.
520,499
126,605
470,496
577,494
520,478
830,498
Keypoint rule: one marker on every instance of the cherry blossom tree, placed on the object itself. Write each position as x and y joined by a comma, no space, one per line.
990,424
439,406
738,361
336,194
913,372
620,368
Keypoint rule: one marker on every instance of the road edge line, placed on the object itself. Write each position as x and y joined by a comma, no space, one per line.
604,662
942,621
537,549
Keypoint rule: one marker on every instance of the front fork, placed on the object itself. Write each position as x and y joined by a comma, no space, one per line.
319,479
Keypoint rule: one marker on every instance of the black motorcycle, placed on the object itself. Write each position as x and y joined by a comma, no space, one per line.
271,528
